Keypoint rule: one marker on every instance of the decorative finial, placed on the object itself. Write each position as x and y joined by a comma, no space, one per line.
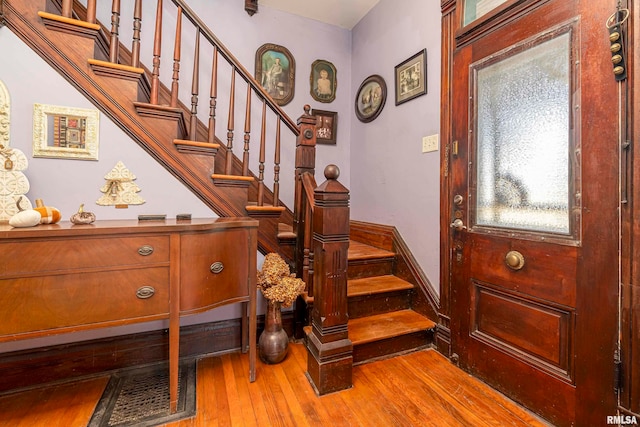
307,108
331,172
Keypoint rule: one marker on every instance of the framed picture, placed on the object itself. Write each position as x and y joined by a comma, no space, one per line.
411,77
326,127
66,133
275,71
370,98
323,81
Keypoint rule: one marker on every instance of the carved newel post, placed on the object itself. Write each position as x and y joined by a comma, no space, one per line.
330,352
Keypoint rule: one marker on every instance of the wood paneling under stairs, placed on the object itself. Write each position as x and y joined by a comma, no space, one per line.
418,389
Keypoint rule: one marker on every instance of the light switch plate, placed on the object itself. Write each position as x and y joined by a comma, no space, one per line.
430,143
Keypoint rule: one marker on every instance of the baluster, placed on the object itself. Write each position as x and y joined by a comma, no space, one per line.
276,168
176,60
67,8
213,97
232,100
195,82
261,157
114,46
247,133
91,11
157,43
137,25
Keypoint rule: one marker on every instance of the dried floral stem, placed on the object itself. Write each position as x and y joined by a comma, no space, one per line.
276,281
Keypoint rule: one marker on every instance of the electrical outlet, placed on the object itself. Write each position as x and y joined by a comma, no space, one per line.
430,143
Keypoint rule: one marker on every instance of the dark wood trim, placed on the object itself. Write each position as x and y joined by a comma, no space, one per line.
60,363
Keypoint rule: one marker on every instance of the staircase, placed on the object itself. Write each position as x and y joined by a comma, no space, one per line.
389,299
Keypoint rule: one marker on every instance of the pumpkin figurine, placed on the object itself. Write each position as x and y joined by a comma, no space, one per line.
82,217
25,217
50,215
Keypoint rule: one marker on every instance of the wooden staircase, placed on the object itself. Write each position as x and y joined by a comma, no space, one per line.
390,300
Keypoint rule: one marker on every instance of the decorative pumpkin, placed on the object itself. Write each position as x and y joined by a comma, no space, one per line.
49,215
25,217
82,217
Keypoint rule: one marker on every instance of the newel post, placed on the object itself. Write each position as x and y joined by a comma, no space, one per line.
329,349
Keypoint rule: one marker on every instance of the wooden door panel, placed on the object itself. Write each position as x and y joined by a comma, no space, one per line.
532,332
548,274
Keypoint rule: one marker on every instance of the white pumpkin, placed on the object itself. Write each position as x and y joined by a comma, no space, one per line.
25,218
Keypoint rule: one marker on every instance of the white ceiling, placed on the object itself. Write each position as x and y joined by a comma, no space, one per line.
341,13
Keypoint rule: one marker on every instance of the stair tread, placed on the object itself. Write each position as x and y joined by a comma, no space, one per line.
362,251
388,325
376,284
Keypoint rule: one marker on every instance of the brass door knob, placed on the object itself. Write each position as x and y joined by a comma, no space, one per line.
514,260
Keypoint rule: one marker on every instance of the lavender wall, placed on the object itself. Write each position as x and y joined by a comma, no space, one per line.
392,181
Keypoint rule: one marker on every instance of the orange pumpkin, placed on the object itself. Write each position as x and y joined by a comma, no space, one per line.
50,215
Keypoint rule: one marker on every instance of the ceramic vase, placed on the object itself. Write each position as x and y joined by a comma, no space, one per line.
274,341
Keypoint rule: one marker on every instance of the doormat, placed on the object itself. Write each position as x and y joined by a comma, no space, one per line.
140,397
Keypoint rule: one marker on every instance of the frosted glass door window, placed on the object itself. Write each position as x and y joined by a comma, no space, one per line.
523,112
474,9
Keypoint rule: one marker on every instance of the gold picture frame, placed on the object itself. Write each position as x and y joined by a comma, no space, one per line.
65,132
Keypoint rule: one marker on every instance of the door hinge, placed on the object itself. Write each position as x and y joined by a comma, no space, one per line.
617,371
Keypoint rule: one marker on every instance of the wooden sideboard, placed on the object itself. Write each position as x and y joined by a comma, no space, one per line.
63,278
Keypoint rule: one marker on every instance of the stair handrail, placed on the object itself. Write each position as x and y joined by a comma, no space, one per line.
226,53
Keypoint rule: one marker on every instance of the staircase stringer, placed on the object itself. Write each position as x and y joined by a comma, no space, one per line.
27,26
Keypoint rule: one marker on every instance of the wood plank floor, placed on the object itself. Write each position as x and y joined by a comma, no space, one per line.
417,389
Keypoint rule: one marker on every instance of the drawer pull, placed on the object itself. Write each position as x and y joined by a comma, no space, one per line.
217,267
145,250
145,292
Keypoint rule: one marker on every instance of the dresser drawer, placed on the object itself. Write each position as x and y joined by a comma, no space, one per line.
26,257
213,269
66,301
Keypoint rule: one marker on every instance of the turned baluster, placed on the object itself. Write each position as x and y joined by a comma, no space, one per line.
232,95
276,168
195,82
67,8
157,43
213,97
247,133
261,156
91,11
176,60
137,25
114,46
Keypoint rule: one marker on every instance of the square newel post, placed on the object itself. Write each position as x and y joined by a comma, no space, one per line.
329,349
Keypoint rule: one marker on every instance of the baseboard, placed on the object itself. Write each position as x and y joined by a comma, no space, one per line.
31,368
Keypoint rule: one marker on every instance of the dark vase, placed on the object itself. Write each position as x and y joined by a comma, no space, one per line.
274,341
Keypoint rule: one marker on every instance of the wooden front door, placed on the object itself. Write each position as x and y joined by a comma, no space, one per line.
532,197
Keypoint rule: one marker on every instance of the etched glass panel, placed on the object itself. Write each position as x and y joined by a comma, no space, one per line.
523,109
474,9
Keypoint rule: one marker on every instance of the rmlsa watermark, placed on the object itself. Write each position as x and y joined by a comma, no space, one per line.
622,420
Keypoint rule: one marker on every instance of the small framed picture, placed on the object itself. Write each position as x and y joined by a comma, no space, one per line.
276,71
323,81
411,77
65,133
370,98
326,126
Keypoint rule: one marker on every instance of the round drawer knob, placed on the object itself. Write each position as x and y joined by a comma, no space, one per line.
145,250
514,260
145,292
217,267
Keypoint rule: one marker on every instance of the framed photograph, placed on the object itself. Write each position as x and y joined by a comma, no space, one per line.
326,127
370,98
323,81
276,71
411,77
65,133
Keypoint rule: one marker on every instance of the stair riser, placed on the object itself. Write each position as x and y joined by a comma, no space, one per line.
368,352
369,268
368,305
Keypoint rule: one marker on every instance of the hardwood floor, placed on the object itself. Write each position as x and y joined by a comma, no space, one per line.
416,389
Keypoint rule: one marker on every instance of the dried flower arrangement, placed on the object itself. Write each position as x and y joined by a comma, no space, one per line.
276,281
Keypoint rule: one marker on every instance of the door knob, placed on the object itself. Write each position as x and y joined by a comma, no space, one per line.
514,260
457,224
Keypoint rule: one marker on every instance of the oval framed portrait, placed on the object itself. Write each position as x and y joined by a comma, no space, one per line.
370,98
